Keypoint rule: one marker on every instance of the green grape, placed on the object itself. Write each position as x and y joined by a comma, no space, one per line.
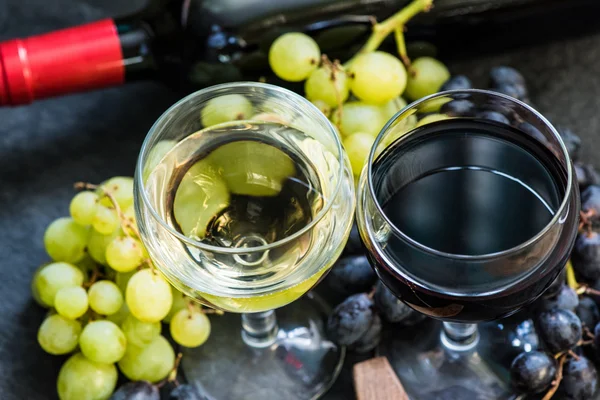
102,341
151,363
97,244
140,333
83,207
65,240
129,218
124,254
105,297
190,329
252,168
53,277
427,77
106,221
360,117
58,335
156,154
323,107
35,293
148,296
227,108
390,108
431,118
377,77
119,317
201,194
122,279
82,379
358,145
328,86
180,302
71,302
293,56
121,189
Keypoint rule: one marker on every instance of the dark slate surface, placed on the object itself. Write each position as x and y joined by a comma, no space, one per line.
47,146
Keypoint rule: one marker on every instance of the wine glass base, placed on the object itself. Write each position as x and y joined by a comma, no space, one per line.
301,364
430,371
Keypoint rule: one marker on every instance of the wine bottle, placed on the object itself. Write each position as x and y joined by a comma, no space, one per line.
190,44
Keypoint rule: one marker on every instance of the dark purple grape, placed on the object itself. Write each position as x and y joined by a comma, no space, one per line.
493,116
588,312
513,90
458,108
532,372
532,131
370,339
566,299
560,330
503,74
354,244
572,142
457,82
590,202
580,380
139,390
597,337
586,256
351,275
392,309
351,319
556,285
187,392
586,175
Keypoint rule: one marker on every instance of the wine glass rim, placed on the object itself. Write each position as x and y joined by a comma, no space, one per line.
239,250
556,217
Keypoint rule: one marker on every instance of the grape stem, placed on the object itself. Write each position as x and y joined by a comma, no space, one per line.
383,29
401,44
586,221
585,289
95,275
557,379
172,377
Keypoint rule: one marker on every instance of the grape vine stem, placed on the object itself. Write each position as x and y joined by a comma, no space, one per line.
382,30
557,379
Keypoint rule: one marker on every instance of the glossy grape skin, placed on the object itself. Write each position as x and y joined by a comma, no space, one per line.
137,390
390,307
190,329
82,379
293,56
358,146
97,244
179,302
360,117
370,339
565,299
580,380
55,276
151,363
71,302
504,74
83,207
588,312
332,88
427,77
148,296
586,256
533,372
560,330
227,108
65,240
102,341
352,274
513,90
458,108
493,116
105,221
377,77
59,335
350,320
457,82
121,190
140,333
105,298
556,285
124,254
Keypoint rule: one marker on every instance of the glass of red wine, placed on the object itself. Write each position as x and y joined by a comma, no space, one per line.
467,216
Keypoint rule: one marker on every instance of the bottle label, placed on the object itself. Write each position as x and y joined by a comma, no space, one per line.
70,60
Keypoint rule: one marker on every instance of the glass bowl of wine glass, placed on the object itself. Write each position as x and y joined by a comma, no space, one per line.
245,199
467,216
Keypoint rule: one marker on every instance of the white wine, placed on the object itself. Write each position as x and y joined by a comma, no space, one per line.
247,185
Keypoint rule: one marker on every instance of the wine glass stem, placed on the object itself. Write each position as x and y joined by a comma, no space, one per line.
259,329
459,337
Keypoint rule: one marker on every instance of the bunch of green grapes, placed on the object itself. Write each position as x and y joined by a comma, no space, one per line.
107,302
364,93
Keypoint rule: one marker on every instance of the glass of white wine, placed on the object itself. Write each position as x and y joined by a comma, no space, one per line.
244,199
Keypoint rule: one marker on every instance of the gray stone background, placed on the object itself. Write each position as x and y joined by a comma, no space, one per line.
47,146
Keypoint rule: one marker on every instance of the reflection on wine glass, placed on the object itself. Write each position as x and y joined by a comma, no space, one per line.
465,219
245,199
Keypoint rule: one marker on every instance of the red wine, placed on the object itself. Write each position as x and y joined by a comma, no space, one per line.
459,189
